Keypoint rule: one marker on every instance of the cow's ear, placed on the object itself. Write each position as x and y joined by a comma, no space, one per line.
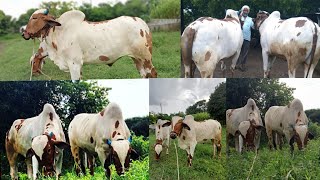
310,135
184,125
51,21
108,160
30,153
166,124
134,155
292,139
61,144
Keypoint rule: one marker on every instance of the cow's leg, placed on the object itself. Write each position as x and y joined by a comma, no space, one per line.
280,141
12,158
90,163
306,67
223,69
192,148
102,156
167,145
35,167
236,142
265,58
234,61
270,136
29,167
76,155
227,143
58,163
257,140
291,68
240,143
139,66
75,70
214,147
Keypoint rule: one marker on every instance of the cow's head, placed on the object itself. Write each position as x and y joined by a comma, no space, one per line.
159,133
120,154
39,24
177,129
248,130
261,16
301,135
158,148
37,60
44,148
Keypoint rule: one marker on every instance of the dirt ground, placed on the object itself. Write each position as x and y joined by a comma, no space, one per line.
255,68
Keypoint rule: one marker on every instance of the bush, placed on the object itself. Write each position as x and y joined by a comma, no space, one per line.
201,116
166,9
314,128
140,145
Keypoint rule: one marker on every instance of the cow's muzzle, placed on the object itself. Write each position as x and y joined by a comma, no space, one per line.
26,35
173,135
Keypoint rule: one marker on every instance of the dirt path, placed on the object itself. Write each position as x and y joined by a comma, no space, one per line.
255,68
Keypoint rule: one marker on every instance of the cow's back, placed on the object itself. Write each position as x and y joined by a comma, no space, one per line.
274,117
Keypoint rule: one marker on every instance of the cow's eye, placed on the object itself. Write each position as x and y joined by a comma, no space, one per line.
34,18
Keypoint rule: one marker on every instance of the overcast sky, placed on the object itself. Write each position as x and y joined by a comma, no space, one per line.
132,95
177,94
15,8
307,90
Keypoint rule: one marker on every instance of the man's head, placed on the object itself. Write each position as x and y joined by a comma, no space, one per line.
245,10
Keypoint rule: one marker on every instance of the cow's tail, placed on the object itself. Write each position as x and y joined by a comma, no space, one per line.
313,48
186,48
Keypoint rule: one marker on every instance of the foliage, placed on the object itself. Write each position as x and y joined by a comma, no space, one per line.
314,115
140,145
165,9
198,107
139,125
216,105
265,92
314,128
57,8
4,23
201,116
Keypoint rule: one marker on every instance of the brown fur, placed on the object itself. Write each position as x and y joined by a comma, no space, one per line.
186,47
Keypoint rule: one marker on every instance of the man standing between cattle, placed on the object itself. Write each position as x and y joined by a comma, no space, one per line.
246,25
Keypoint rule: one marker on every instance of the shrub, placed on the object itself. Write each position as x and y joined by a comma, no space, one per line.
166,9
201,116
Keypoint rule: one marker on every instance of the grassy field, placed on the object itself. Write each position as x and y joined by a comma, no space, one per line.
278,164
15,53
203,165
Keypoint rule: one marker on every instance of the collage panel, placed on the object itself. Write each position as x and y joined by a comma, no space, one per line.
272,128
96,39
250,39
74,130
187,129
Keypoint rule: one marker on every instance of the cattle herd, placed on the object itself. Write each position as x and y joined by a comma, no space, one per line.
41,141
244,125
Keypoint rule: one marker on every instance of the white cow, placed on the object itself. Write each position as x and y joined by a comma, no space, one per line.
244,123
162,137
207,40
105,134
190,132
25,138
289,121
295,39
72,41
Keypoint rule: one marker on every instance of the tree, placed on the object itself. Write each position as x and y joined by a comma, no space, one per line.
265,92
198,107
216,105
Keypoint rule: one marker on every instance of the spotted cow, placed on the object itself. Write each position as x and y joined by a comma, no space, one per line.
206,41
22,138
71,41
244,124
162,137
289,121
104,134
189,132
295,39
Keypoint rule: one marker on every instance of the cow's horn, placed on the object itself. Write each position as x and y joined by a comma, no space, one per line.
46,11
130,139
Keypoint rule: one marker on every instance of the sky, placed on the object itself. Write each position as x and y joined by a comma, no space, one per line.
132,95
177,94
307,90
15,8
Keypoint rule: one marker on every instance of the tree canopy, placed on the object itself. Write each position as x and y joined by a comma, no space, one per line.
216,105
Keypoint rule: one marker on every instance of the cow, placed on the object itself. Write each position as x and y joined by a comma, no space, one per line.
25,137
244,124
289,121
71,41
104,134
37,60
162,137
206,41
189,132
22,28
295,39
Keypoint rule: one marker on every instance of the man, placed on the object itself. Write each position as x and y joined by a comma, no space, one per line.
246,25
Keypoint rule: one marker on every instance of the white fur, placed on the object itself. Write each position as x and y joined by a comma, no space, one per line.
158,148
162,133
121,147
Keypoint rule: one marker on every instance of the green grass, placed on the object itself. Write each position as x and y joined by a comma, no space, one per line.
276,164
203,165
15,53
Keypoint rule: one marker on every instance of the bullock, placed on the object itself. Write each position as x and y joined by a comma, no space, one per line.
162,137
104,134
244,124
71,41
26,137
295,39
190,132
289,121
206,41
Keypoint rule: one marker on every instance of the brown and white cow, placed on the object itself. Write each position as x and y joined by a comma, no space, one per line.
189,132
162,137
24,138
206,41
71,41
295,39
289,121
105,134
244,124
